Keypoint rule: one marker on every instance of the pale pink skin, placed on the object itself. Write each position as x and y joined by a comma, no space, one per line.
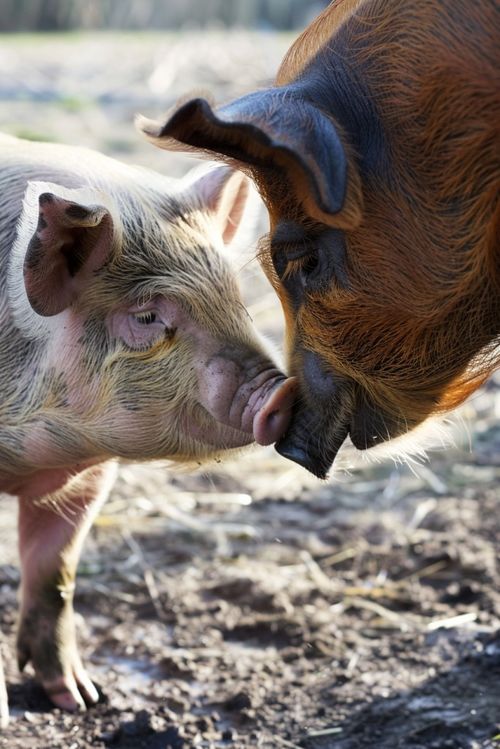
249,395
237,395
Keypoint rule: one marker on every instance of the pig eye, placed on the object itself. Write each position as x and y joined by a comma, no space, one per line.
308,267
145,318
322,266
151,318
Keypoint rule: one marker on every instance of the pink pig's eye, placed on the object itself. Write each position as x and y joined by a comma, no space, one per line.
152,318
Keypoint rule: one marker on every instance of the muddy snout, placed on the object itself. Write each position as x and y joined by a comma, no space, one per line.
312,442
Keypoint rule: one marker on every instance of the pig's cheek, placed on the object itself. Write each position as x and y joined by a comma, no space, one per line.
66,333
64,358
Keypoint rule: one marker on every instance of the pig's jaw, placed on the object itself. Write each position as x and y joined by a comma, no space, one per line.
205,436
190,435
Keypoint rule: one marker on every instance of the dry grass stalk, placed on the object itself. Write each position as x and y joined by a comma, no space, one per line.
4,704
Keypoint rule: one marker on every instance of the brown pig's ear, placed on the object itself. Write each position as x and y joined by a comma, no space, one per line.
71,241
274,129
222,193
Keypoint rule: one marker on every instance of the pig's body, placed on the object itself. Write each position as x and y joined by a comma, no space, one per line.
122,335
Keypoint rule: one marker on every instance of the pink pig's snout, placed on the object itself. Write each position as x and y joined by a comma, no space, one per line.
244,390
272,419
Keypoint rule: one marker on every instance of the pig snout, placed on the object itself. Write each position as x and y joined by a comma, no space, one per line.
312,443
321,418
249,395
272,419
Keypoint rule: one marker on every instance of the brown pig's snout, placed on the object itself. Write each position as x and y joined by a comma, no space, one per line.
332,407
321,417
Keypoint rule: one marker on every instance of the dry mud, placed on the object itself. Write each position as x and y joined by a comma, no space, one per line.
250,605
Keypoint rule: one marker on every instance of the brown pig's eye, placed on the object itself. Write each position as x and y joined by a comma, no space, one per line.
309,265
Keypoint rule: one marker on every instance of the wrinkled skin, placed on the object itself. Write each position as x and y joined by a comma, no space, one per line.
122,335
377,154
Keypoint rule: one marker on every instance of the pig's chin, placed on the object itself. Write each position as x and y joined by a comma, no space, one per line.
264,422
211,435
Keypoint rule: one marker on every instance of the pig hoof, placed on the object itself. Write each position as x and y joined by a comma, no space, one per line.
51,648
71,692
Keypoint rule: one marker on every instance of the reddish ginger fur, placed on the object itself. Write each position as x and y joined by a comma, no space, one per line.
416,84
313,38
406,258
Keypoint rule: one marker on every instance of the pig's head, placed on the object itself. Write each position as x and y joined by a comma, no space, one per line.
384,261
146,350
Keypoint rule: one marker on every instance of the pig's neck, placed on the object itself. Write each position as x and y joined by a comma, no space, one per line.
38,439
30,389
43,397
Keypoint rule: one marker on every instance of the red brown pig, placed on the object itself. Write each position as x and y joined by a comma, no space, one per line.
377,152
122,335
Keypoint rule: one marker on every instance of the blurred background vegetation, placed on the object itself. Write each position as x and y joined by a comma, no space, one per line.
65,15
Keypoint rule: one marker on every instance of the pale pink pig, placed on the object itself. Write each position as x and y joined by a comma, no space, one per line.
122,335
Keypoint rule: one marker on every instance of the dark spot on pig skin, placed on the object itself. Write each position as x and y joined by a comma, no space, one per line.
129,405
42,224
45,197
74,257
63,438
9,452
34,254
58,389
77,211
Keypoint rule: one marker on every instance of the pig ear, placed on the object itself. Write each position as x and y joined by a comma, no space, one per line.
275,129
222,192
71,241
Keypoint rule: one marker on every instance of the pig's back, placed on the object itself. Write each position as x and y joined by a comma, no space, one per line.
20,162
23,161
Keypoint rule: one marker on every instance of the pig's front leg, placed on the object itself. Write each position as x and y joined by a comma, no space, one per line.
50,541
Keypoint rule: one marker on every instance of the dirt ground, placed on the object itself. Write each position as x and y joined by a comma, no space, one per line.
250,605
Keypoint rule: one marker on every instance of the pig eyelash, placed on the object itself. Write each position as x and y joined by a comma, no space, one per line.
150,317
146,318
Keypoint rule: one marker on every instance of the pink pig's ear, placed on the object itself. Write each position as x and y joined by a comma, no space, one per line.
71,241
221,192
